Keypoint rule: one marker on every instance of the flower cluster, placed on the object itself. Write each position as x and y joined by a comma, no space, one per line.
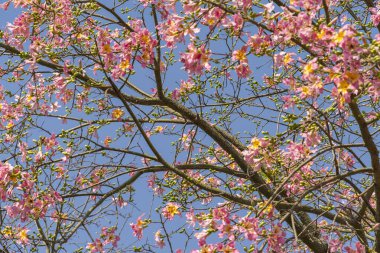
107,236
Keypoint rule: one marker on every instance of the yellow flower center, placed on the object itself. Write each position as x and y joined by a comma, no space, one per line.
140,223
255,143
339,36
7,231
172,209
146,39
353,76
117,113
240,55
159,129
343,86
287,59
107,48
124,65
23,234
306,90
9,125
308,69
321,34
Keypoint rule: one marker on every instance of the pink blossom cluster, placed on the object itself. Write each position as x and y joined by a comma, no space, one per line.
221,220
107,236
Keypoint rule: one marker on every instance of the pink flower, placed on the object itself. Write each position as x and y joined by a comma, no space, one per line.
158,191
186,86
39,157
95,247
196,59
347,159
20,28
190,7
237,22
335,245
312,138
240,55
249,227
51,142
59,82
276,238
158,237
128,127
60,171
120,202
108,234
57,196
176,95
359,248
309,68
243,70
22,236
23,149
229,247
191,218
220,213
5,5
107,141
201,236
288,102
283,59
226,229
375,17
213,17
244,4
152,180
138,227
174,30
170,210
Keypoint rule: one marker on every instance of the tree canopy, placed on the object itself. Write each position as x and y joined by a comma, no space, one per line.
190,126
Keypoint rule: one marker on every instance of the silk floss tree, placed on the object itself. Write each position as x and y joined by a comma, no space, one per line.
190,126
